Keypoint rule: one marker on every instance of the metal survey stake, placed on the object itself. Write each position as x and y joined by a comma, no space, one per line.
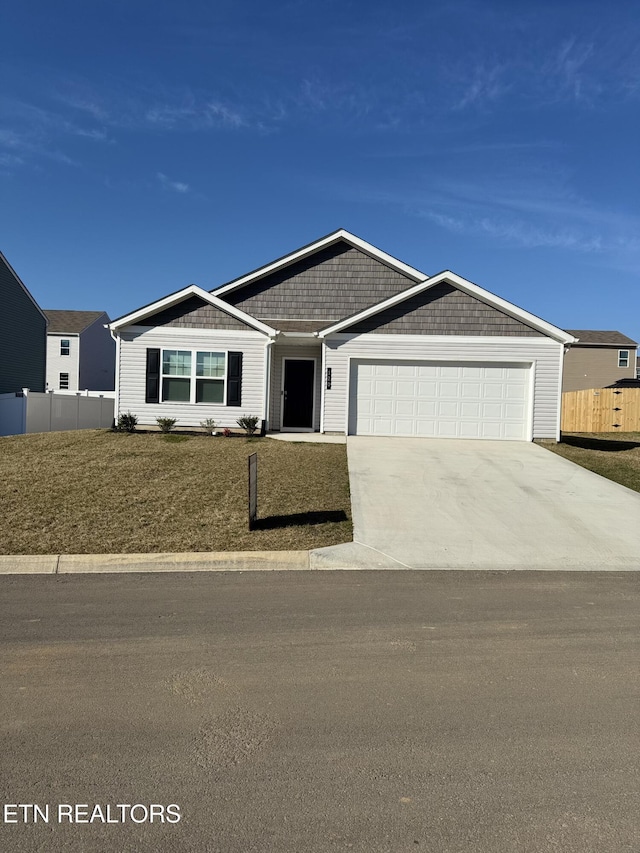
253,490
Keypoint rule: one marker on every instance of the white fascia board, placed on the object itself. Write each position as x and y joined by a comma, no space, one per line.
335,237
192,290
468,287
531,342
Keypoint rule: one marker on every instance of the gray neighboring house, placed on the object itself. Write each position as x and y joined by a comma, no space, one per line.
23,335
341,337
81,352
598,359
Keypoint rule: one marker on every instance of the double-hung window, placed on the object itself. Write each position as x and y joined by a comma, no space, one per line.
193,376
64,382
623,358
65,347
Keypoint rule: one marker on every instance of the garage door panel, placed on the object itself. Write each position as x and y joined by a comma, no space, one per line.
449,400
514,411
427,371
472,372
470,410
447,429
449,372
449,389
470,430
383,406
426,408
515,392
383,388
471,390
406,370
405,407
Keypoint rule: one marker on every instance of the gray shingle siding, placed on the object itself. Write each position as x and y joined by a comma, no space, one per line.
194,313
23,337
443,310
329,285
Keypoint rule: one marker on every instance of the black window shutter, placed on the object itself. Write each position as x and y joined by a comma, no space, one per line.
152,394
234,379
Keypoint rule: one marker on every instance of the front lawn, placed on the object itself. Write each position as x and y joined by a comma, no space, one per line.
97,492
614,455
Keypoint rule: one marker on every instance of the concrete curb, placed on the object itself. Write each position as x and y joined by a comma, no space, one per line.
215,561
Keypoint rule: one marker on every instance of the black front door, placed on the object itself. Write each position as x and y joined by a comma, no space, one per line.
297,398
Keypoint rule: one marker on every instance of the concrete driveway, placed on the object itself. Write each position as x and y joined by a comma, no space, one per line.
441,503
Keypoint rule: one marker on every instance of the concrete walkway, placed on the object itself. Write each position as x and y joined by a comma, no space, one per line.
452,504
310,437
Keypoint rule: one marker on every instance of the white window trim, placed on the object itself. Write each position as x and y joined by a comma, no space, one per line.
192,376
627,359
67,347
61,387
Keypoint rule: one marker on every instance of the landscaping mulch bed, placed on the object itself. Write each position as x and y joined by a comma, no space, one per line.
97,492
615,455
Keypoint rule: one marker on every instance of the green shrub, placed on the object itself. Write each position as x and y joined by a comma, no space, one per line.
166,424
127,422
249,423
209,426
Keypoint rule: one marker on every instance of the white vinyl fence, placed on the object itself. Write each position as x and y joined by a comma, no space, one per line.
52,411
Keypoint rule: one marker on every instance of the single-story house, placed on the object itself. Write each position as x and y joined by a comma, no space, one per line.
598,359
341,337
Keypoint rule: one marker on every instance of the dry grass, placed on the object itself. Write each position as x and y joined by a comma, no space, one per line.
613,455
97,492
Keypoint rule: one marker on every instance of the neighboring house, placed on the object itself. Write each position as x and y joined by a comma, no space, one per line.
81,352
341,337
23,335
598,359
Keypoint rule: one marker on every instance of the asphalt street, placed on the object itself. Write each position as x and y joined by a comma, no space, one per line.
326,711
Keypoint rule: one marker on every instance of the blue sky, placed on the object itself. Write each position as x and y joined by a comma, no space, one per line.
148,145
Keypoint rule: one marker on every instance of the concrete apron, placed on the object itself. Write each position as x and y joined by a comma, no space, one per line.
482,505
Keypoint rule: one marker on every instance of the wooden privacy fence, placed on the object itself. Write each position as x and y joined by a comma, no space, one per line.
601,410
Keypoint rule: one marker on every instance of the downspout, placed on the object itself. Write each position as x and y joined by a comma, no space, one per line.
267,381
116,408
323,382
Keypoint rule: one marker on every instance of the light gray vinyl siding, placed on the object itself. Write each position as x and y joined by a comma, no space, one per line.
543,353
333,283
444,310
23,336
195,313
57,364
132,374
293,350
596,367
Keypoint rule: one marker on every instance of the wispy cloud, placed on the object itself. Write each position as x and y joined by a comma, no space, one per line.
486,86
175,186
567,70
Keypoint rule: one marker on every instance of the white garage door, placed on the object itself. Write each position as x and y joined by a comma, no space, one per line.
440,399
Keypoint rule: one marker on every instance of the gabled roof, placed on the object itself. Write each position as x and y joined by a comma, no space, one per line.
311,248
141,314
595,338
71,322
464,285
21,283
